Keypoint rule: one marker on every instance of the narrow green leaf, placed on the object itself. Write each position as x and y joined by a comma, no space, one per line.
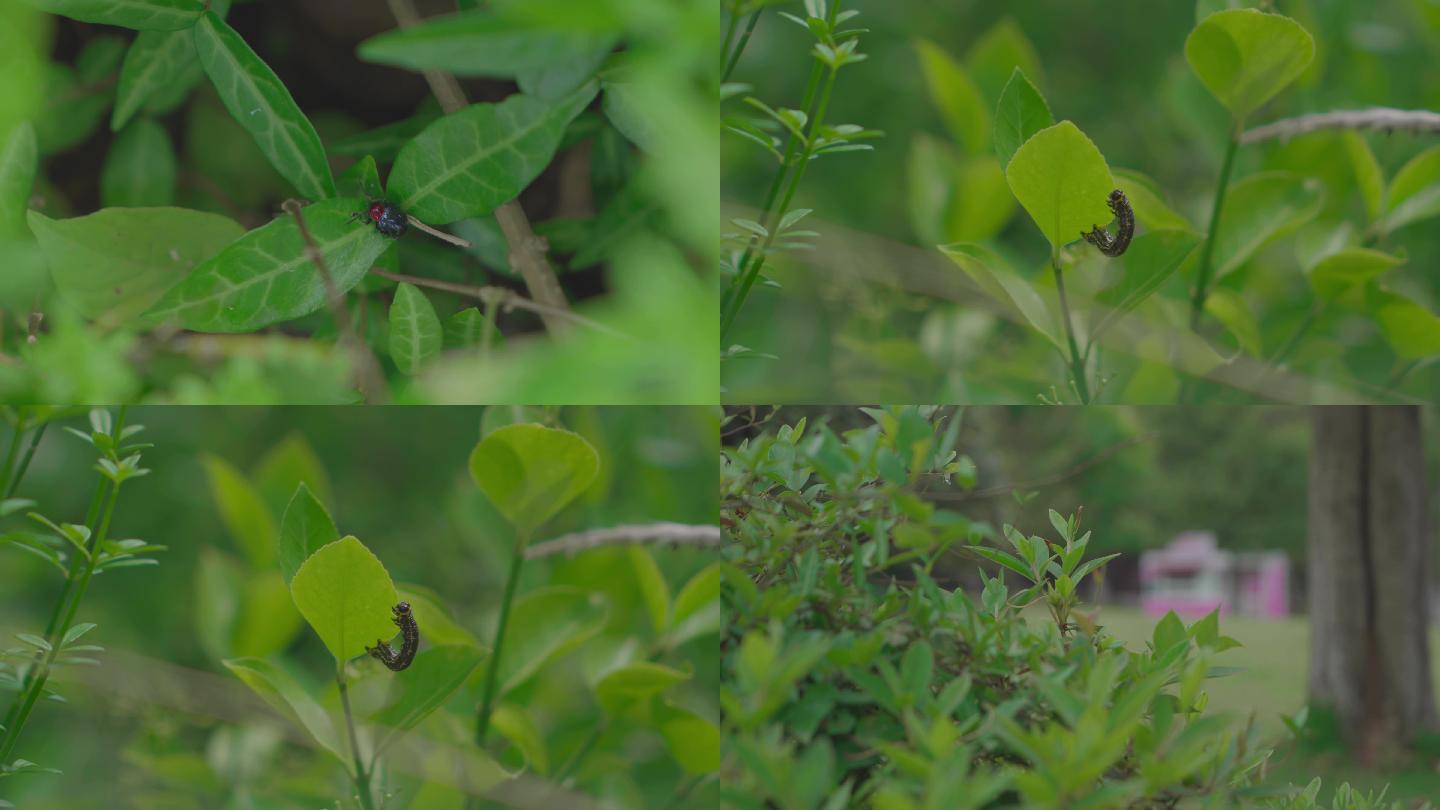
1022,112
1062,180
264,277
159,67
267,621
435,623
145,15
1411,329
546,624
18,162
1261,208
242,510
287,465
1169,631
957,97
635,682
1347,270
470,163
345,593
988,270
1415,191
1369,177
414,329
1244,56
693,741
701,590
1229,308
361,180
530,472
305,528
113,264
140,168
1151,210
481,43
257,99
384,142
654,591
516,724
1006,559
284,694
1151,260
466,330
430,680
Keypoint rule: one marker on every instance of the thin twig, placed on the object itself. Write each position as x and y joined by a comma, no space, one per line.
527,251
367,374
674,534
441,235
1384,118
500,297
990,492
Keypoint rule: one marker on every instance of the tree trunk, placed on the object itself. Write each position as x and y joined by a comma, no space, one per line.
1369,538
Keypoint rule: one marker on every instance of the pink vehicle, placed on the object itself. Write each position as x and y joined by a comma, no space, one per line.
1193,576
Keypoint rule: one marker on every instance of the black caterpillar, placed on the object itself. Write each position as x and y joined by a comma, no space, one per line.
408,631
1124,219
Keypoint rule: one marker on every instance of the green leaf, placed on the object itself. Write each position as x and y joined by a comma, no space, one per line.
1169,631
159,67
112,264
466,330
988,270
259,101
635,682
1415,191
414,329
287,465
979,206
1022,112
435,623
284,694
544,625
140,168
473,161
72,112
654,591
305,529
346,595
1005,559
956,96
429,681
693,741
1151,259
481,43
1062,181
1230,309
145,15
267,621
264,277
384,142
18,162
1369,177
1244,56
702,589
1349,270
242,510
216,601
1261,208
1150,207
361,180
1411,329
516,725
998,53
530,472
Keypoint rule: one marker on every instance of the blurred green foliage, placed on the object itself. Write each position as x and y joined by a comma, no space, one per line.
161,724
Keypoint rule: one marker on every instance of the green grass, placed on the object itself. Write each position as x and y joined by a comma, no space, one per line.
1275,660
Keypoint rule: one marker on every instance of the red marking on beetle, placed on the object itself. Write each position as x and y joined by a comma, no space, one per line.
377,210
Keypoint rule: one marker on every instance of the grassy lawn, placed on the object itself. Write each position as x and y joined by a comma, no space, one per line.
1275,659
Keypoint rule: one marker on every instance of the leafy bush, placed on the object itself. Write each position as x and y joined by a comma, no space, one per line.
852,677
241,264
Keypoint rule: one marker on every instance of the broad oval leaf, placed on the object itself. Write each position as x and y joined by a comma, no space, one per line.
19,160
305,528
264,277
414,329
1244,56
1022,112
639,681
284,694
431,678
1061,179
257,99
993,276
1415,192
472,162
113,264
546,624
481,43
145,15
1347,270
345,593
140,168
1260,208
530,472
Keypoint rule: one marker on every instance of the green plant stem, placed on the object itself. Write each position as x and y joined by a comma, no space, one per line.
362,776
745,280
10,456
740,48
730,33
492,668
25,462
573,764
1077,362
1300,332
1197,304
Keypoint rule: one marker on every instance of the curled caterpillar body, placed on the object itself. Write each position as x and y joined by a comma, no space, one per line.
1125,227
410,640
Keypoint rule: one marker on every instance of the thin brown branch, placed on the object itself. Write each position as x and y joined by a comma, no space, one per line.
1050,480
1382,118
501,298
367,372
672,534
527,250
438,234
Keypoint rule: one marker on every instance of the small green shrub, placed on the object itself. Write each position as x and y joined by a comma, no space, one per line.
852,677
